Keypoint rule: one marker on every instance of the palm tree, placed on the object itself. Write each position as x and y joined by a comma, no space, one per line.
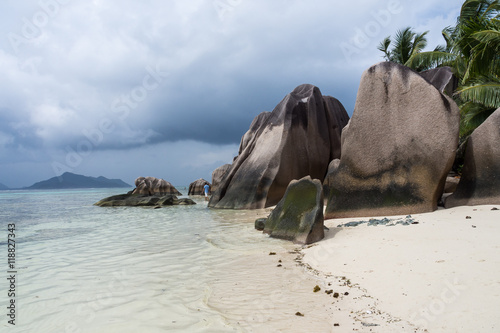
407,44
473,52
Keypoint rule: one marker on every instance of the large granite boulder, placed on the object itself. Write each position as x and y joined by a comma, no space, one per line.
154,186
398,148
480,182
143,200
217,176
197,187
299,138
299,215
442,78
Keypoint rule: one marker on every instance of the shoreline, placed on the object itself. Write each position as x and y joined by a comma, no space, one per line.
439,274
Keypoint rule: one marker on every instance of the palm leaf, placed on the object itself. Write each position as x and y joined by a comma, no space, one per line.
384,47
487,93
431,59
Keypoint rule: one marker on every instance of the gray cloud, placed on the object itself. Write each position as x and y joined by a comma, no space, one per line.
128,74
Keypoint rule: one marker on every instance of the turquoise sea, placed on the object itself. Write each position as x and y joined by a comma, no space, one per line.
82,268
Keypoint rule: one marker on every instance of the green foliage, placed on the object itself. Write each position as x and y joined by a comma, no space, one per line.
472,50
407,44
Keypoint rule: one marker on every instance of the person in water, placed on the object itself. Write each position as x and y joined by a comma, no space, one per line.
206,189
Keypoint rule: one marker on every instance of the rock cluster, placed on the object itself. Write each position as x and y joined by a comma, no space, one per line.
298,138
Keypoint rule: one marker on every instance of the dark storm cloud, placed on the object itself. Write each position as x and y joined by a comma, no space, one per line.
115,75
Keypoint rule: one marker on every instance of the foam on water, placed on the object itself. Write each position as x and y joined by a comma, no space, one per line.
83,268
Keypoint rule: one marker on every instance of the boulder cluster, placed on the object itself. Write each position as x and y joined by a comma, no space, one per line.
393,157
298,138
149,192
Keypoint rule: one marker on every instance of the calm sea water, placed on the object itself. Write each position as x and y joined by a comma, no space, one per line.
81,268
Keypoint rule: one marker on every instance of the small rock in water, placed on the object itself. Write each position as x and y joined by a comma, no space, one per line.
299,314
336,295
272,253
336,324
260,224
468,217
474,226
494,208
316,289
328,292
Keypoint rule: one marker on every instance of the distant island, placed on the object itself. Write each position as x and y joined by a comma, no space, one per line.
3,187
70,180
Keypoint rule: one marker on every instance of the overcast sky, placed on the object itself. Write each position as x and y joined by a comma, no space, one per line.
157,88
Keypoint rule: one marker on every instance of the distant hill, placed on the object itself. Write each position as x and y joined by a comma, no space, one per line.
71,180
3,187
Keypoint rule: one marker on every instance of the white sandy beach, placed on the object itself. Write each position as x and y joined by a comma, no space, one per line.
440,275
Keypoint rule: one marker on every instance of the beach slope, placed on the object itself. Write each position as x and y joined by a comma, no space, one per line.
441,272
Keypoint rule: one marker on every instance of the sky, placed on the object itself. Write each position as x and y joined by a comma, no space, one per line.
124,89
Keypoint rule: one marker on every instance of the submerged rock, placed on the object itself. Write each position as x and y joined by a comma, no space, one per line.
299,215
398,148
138,200
299,138
480,182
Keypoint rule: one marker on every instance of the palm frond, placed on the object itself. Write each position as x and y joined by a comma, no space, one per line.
431,59
484,93
384,47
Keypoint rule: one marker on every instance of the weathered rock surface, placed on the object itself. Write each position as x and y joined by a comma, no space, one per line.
136,200
217,176
327,182
300,137
451,184
398,148
154,186
197,187
299,215
480,182
442,78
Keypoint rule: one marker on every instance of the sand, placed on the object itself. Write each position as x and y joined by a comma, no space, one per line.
441,274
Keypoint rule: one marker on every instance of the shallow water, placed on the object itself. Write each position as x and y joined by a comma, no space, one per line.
82,268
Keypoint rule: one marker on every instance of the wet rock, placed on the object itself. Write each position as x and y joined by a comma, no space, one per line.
299,215
142,200
260,224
